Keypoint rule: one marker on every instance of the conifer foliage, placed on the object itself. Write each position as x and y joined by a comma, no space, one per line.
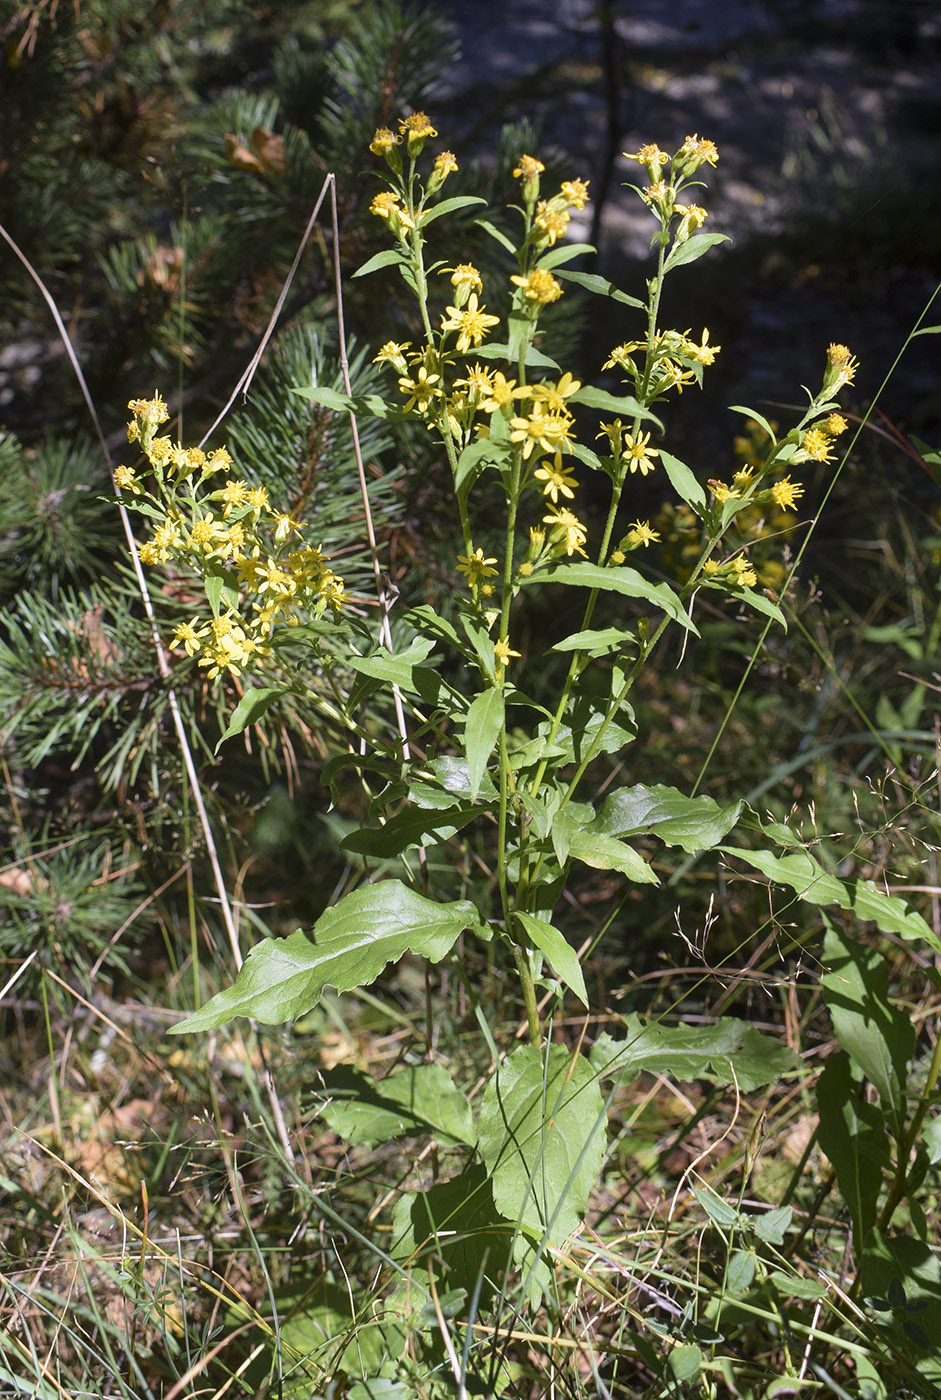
160,165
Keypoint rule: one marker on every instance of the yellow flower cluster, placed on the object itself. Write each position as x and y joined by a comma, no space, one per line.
672,360
229,531
662,194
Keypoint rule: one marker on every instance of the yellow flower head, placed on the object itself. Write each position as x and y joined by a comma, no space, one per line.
416,129
445,163
693,153
160,451
816,446
704,352
465,275
476,567
692,217
566,531
639,534
529,168
385,204
841,368
150,412
471,323
502,391
836,424
420,389
465,279
786,493
557,479
576,192
503,651
722,492
551,221
651,158
540,287
392,353
744,574
128,480
187,637
384,141
553,396
551,431
639,454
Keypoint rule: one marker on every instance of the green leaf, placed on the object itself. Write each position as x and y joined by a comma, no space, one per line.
792,1286
927,330
729,1051
761,1060
542,1133
693,248
450,206
694,823
386,258
876,1035
481,732
597,643
453,773
752,596
496,233
907,1271
330,398
454,1228
685,1362
415,1100
350,945
740,1274
606,853
759,418
563,253
535,359
395,669
721,1213
852,1134
683,482
627,582
612,403
221,592
249,710
773,1225
811,882
474,459
561,955
601,286
414,826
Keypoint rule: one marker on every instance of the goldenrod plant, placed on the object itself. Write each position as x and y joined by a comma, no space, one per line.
482,799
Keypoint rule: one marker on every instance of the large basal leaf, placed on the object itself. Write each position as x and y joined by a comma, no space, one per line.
627,582
455,1228
542,1133
852,1134
813,884
418,1099
350,945
694,823
729,1051
878,1037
